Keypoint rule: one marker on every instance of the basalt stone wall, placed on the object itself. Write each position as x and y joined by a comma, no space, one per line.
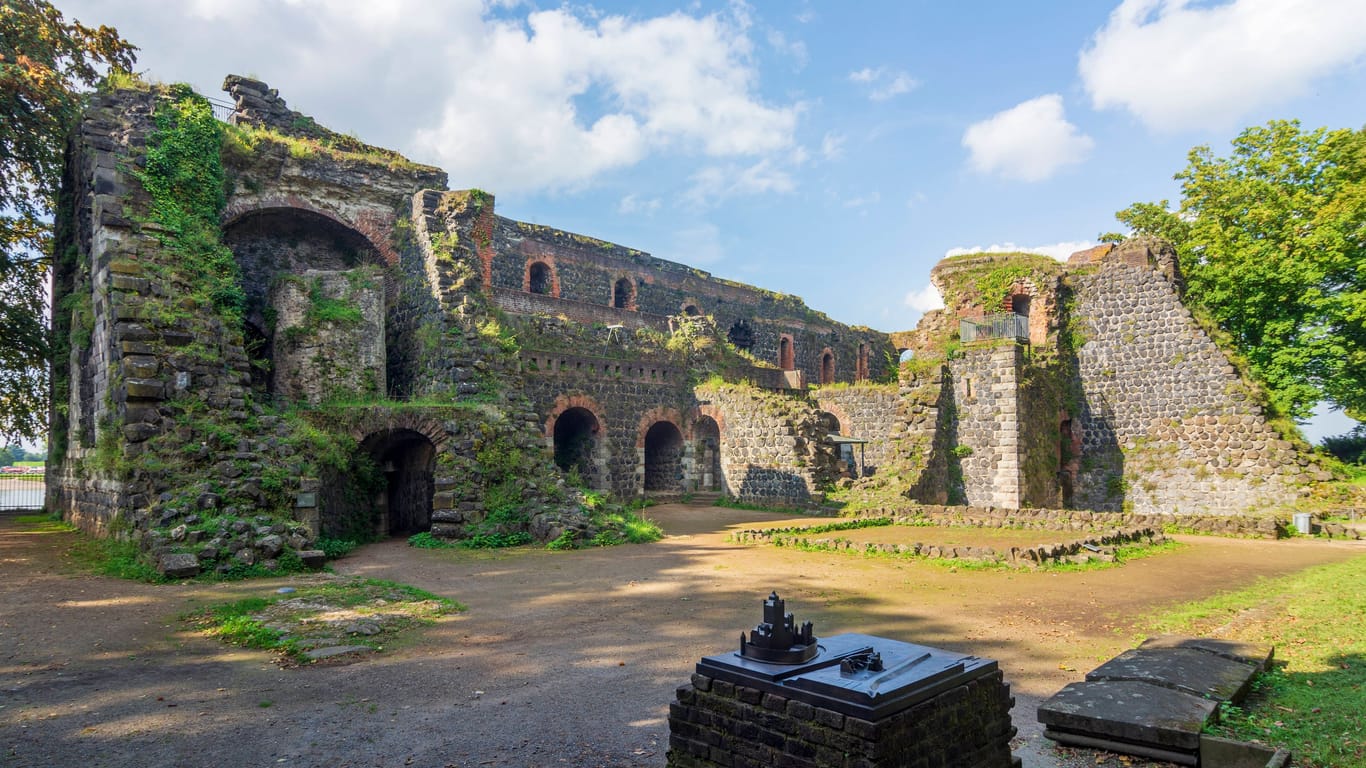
625,398
1168,424
717,723
585,273
868,411
118,317
986,433
320,354
774,447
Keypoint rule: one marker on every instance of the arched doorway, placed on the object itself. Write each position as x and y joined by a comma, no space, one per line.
707,452
576,441
539,278
663,458
406,460
691,310
1019,304
787,359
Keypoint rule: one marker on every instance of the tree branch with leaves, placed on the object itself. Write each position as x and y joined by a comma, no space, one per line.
46,62
1272,243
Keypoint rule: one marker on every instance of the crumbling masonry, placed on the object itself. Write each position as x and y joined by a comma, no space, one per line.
321,339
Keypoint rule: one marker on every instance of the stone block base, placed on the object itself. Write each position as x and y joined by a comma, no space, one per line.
717,723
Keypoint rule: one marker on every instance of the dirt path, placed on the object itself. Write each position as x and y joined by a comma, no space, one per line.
563,659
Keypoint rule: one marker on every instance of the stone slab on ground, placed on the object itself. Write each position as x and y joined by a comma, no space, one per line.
178,566
335,650
1183,669
1227,753
1258,654
1131,712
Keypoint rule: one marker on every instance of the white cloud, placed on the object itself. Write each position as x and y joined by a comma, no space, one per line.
882,83
1028,142
631,204
925,299
832,146
794,49
714,184
503,98
1179,66
1059,251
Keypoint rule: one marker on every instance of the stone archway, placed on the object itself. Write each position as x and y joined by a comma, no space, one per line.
575,437
663,458
407,460
827,366
707,454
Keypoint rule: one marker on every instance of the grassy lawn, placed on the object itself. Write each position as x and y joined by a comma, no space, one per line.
1314,700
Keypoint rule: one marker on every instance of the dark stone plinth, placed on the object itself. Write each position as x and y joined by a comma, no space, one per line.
1131,712
908,674
1183,669
714,723
1257,654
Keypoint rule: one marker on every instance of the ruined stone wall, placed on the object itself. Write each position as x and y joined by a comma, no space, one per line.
868,411
585,273
986,438
329,336
626,399
773,446
1168,425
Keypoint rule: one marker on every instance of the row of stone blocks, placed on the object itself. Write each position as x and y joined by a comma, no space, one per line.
717,723
1156,700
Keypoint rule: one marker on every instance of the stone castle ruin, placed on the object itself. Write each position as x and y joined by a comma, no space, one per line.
267,325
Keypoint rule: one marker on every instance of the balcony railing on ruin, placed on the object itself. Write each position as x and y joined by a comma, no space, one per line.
1003,326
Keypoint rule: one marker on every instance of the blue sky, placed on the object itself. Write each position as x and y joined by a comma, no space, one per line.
833,150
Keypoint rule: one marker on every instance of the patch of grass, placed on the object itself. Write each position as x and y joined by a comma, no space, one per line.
1312,701
622,525
43,524
111,557
255,622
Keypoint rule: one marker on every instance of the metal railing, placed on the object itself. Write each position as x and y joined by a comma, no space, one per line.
1005,326
21,488
223,110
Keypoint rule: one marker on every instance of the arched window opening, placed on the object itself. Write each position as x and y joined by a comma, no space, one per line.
787,359
828,367
741,335
691,310
1019,304
861,367
539,278
624,294
663,458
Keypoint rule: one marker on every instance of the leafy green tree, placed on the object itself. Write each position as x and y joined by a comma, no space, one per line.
45,61
1272,243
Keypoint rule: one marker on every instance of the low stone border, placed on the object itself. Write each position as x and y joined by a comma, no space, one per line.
1084,520
1097,547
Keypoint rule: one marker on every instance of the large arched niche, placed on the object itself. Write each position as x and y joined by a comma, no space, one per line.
271,244
579,446
406,459
663,457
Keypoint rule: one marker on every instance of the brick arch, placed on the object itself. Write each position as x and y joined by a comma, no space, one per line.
836,410
374,226
631,292
376,421
1021,287
655,415
549,261
564,403
824,375
716,414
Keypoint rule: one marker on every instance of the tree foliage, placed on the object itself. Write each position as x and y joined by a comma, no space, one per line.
1272,243
45,61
